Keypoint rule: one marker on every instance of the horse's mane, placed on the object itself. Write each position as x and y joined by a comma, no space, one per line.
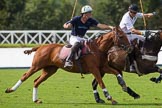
100,37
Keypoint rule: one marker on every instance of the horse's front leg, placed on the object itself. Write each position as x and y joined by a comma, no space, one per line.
95,92
98,77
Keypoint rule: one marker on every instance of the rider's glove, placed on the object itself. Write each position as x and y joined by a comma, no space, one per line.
143,33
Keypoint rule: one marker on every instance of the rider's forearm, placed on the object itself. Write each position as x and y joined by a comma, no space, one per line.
134,31
148,15
104,26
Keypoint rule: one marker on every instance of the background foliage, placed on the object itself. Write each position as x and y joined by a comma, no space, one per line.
52,14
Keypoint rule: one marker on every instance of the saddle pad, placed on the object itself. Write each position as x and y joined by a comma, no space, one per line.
64,52
67,48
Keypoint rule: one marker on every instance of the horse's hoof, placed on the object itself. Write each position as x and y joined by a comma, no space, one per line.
153,79
38,102
156,80
114,102
8,90
137,96
100,101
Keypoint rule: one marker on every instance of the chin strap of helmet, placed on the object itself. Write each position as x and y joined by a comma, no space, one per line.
144,20
74,9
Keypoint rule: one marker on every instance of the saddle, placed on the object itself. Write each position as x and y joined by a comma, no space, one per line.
65,51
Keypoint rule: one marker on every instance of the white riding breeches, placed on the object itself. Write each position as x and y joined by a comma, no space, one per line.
133,36
74,39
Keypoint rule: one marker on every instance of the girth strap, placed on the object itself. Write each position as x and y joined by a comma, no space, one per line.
80,68
149,57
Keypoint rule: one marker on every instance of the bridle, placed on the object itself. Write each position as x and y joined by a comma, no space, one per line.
122,46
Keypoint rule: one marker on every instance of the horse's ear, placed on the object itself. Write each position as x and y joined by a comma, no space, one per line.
118,29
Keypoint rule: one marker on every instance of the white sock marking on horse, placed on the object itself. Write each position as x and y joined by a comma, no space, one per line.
16,85
35,92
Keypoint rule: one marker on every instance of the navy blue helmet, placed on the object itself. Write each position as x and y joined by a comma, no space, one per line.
133,7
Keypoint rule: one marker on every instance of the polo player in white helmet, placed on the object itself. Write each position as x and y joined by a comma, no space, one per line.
79,26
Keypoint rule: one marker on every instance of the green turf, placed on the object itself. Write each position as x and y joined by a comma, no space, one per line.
68,90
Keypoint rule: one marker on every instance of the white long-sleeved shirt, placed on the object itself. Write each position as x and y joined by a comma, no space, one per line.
127,23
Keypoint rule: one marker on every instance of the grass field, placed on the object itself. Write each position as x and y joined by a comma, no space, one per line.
68,90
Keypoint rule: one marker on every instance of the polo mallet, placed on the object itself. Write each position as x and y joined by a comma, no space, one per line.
144,20
74,9
147,32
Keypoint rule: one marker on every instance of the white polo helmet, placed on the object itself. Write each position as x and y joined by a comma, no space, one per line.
86,9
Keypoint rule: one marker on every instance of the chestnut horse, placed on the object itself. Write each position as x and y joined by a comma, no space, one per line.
47,58
145,57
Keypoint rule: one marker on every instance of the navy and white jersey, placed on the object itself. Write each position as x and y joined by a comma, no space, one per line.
79,28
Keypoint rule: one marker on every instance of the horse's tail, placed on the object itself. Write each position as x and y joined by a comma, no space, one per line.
32,50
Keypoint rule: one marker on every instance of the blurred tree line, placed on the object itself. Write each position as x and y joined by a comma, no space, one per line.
52,14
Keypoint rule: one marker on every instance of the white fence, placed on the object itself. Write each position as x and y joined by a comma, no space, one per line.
40,36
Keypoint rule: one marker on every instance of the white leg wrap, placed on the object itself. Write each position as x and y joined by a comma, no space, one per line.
35,92
16,85
104,90
119,75
95,91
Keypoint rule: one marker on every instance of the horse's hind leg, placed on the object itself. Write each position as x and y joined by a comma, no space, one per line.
98,78
46,73
158,79
96,94
25,76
